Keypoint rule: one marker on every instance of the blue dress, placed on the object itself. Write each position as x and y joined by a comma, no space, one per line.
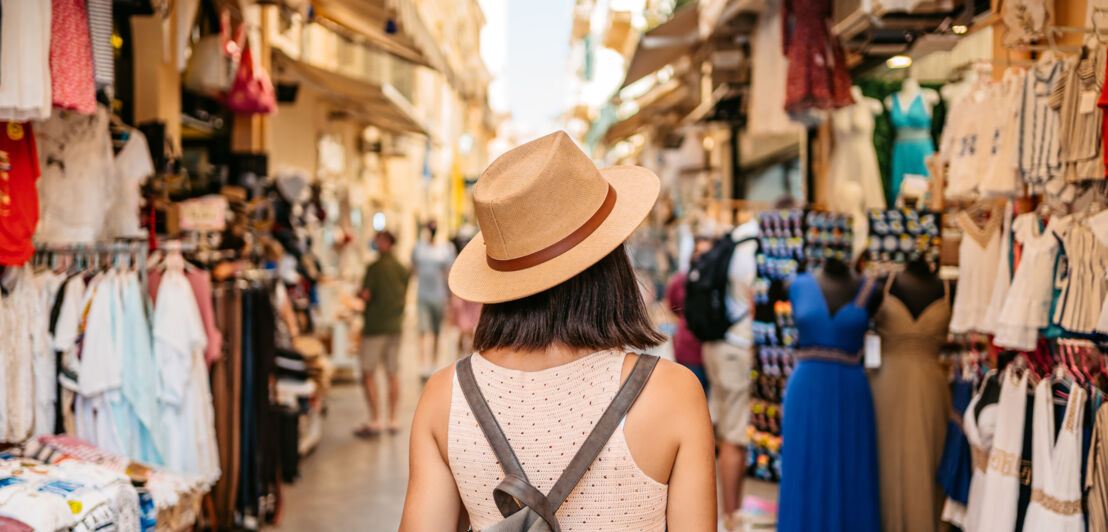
956,467
913,143
829,456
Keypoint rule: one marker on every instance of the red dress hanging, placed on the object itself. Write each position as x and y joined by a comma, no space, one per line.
72,83
817,78
18,196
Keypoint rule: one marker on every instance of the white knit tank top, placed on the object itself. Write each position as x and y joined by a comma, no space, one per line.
546,416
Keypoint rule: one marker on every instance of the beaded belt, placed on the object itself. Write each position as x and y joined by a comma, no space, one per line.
1056,505
829,355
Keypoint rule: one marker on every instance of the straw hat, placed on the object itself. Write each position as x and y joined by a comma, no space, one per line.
546,214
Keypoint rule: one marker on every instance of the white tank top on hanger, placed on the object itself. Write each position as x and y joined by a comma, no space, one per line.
1056,463
1000,502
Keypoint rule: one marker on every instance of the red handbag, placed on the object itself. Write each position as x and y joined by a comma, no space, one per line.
251,92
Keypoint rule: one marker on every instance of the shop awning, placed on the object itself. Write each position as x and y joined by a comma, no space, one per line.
664,44
662,107
382,106
394,26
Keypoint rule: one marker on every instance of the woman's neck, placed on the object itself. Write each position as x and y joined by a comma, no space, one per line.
535,359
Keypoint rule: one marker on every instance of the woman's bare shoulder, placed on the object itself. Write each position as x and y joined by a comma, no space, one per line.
433,412
669,414
670,382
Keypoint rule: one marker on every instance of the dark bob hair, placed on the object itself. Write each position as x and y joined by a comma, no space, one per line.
599,308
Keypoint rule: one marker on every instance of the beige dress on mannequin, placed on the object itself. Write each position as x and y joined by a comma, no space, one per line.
911,402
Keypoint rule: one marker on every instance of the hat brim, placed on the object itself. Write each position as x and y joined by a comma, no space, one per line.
472,279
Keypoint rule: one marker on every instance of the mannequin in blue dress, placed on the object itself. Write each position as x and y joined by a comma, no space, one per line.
829,458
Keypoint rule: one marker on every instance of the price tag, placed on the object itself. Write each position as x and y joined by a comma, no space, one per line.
1087,104
872,357
208,213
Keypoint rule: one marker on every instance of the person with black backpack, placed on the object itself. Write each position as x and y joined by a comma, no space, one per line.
719,311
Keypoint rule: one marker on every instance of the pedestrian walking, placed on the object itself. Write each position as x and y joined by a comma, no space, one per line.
553,419
431,262
384,289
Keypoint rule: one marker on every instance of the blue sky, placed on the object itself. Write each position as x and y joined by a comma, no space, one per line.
534,68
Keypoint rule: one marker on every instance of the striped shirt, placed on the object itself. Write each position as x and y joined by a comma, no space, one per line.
1075,97
100,31
1039,152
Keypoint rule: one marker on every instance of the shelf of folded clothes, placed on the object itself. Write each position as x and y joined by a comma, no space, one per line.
59,482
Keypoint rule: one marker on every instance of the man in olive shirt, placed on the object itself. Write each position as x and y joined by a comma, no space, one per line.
383,289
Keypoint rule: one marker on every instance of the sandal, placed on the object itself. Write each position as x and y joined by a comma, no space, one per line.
367,431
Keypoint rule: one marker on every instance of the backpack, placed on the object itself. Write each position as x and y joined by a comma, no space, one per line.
706,291
523,506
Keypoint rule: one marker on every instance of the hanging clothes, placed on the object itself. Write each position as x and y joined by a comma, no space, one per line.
1001,176
1096,477
979,252
999,504
184,393
965,144
137,410
913,141
48,285
955,473
100,31
1027,306
1084,285
17,398
132,166
817,75
76,189
1074,97
769,72
911,401
1038,151
25,32
1027,20
1098,224
19,211
1002,280
72,83
1056,463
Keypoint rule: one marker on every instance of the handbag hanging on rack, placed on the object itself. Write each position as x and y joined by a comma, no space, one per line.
251,92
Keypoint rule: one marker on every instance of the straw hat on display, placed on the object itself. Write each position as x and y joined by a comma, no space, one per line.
546,213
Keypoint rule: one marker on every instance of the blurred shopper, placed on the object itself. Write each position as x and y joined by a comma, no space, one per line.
727,363
463,314
531,413
431,263
383,289
686,348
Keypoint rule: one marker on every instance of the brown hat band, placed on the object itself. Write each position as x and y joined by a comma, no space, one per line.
561,246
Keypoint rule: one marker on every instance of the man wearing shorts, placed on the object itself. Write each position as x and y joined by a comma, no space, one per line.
727,363
383,289
431,262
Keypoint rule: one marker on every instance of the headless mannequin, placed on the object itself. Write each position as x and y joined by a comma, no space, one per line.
908,93
838,283
918,286
874,106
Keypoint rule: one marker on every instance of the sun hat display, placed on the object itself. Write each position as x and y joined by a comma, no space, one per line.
546,213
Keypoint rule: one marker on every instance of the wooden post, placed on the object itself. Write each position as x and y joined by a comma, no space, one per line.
157,81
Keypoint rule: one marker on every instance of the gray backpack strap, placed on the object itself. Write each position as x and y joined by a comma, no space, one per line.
515,492
490,427
602,432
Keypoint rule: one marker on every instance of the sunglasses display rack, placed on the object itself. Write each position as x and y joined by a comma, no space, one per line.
790,241
899,236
